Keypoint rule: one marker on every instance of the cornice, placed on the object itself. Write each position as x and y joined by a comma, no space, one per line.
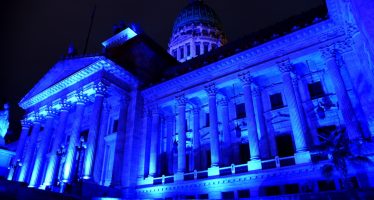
301,39
102,64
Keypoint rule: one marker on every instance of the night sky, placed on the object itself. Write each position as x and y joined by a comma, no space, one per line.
35,34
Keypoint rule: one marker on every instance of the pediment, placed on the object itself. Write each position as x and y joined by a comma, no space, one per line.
60,71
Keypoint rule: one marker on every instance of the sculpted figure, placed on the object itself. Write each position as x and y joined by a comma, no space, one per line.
4,122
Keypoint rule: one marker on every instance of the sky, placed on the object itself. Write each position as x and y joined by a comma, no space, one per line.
35,34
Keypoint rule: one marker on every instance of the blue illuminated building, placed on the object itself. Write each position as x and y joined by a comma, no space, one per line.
206,118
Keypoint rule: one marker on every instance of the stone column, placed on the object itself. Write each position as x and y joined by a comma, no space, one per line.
196,139
255,162
142,154
99,157
169,142
100,89
181,100
214,135
226,151
120,143
28,161
20,148
43,149
301,155
332,55
264,142
154,142
59,135
74,137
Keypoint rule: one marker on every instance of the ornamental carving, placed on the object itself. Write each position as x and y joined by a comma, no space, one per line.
26,123
340,47
285,66
38,118
351,29
211,89
256,91
100,88
81,97
51,112
181,100
65,105
245,78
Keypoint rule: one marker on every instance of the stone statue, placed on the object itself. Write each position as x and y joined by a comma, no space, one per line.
4,123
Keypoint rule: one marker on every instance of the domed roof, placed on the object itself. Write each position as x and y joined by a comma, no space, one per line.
194,13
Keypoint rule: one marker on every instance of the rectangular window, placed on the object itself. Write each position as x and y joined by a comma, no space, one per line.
84,134
243,194
240,111
188,50
206,47
276,101
326,185
272,190
115,126
291,188
181,51
207,121
197,48
316,90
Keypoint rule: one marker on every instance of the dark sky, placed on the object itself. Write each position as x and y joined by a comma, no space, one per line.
34,34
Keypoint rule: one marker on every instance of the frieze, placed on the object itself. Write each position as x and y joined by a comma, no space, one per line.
256,54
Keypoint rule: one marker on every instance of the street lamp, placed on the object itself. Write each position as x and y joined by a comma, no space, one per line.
80,150
61,151
15,166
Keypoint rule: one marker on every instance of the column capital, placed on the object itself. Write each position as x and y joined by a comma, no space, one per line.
154,109
196,110
181,100
223,102
51,112
285,66
245,78
37,118
256,91
340,47
351,29
81,97
125,99
101,88
211,89
65,106
25,123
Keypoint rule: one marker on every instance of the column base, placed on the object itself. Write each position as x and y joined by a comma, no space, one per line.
303,157
254,165
213,171
179,176
148,180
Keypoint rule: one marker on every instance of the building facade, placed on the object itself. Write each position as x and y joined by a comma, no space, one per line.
239,121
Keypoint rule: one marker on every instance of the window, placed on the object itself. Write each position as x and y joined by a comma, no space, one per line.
291,188
188,50
181,51
228,195
207,120
276,101
203,196
174,53
206,47
316,90
240,111
84,134
272,190
214,46
115,126
326,185
243,194
197,50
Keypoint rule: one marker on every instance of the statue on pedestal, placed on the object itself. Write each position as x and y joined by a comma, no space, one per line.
4,123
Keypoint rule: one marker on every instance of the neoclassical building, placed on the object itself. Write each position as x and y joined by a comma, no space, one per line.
206,118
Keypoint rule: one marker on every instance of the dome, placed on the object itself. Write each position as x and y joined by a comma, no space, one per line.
195,13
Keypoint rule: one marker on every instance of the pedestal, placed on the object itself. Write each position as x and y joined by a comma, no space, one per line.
213,171
303,157
179,176
254,165
148,180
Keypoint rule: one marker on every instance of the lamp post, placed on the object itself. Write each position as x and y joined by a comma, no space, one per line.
80,150
15,166
61,151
